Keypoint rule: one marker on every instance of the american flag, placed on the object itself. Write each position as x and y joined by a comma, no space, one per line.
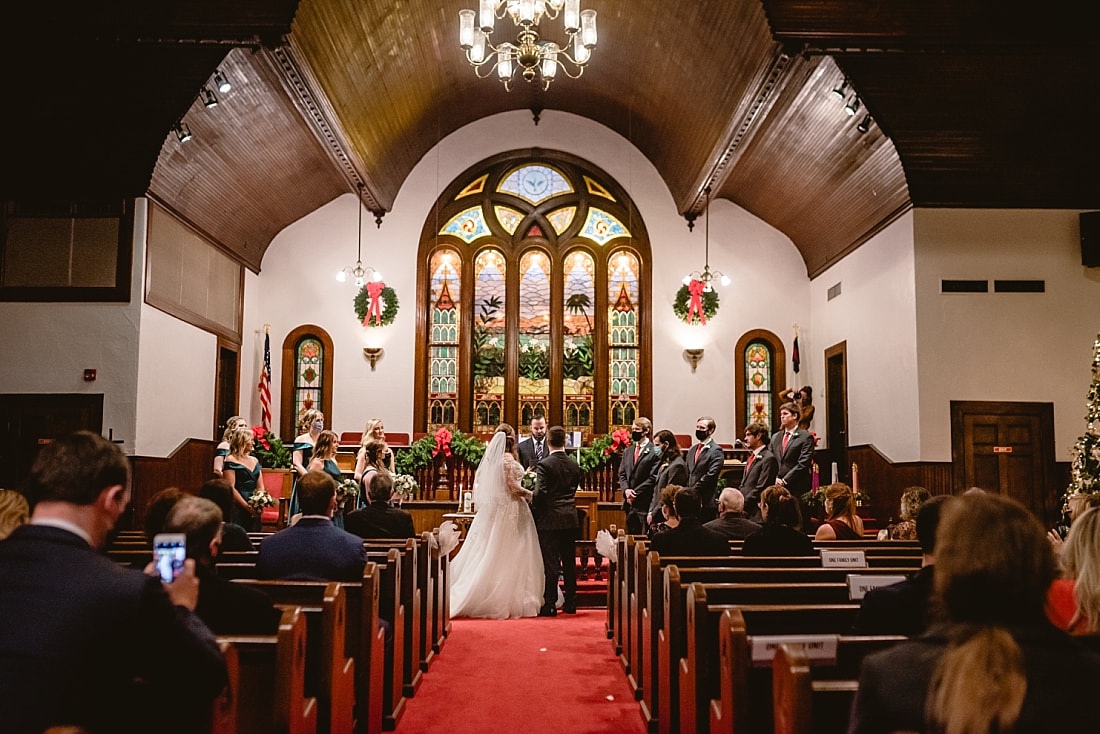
265,385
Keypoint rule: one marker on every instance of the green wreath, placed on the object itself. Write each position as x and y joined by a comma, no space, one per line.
683,298
389,309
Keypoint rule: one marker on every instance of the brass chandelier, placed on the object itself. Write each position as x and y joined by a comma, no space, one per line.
536,59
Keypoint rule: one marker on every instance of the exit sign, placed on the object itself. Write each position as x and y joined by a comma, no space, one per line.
1002,449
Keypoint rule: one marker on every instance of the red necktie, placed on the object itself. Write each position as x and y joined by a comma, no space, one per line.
749,462
786,440
637,450
698,451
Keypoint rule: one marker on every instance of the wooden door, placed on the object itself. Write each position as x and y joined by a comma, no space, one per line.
836,407
226,387
30,421
1006,448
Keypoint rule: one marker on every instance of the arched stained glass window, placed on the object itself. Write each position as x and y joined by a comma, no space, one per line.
544,318
308,382
306,376
759,375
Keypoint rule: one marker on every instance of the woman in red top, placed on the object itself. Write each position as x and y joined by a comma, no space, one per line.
841,521
1073,602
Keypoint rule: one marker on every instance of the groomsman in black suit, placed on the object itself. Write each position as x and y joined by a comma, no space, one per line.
638,475
794,449
534,450
554,508
705,460
761,469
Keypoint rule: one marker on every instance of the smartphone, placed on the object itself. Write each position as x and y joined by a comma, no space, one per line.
169,553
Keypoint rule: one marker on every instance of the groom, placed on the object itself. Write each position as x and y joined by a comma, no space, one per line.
555,511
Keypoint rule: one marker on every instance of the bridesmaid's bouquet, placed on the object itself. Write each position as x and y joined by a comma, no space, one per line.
347,489
404,488
260,500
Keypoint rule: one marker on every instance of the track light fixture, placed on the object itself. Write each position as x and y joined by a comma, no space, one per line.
183,133
853,105
208,97
222,82
864,124
842,90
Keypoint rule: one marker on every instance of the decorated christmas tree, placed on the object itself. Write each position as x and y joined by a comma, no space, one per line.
1085,468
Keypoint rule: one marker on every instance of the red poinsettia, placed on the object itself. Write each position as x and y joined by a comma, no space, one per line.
258,434
620,439
442,442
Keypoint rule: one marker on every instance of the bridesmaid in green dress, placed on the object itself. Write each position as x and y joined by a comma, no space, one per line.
242,471
310,424
223,448
324,460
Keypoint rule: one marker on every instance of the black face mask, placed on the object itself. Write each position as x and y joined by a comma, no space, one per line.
637,436
701,435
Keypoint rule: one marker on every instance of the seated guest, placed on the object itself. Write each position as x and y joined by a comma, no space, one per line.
731,522
903,608
14,511
841,521
689,537
666,518
76,629
234,537
157,509
911,500
313,549
225,607
1073,603
996,664
780,534
378,519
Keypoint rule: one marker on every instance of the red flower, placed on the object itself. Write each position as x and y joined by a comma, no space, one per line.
258,435
442,442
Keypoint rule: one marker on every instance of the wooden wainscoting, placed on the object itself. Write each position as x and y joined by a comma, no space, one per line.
191,464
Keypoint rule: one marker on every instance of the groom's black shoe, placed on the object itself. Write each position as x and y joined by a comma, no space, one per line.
569,609
548,611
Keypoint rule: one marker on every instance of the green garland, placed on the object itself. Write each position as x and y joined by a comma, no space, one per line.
389,309
683,298
419,454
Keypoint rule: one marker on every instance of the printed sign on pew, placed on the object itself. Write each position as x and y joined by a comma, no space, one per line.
819,649
859,583
843,559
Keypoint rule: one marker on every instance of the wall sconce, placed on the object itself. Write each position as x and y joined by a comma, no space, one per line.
693,356
373,354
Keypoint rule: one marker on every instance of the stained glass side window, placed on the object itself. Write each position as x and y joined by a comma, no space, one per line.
534,335
601,227
509,218
578,358
623,338
489,340
467,225
444,298
759,398
535,183
309,368
560,219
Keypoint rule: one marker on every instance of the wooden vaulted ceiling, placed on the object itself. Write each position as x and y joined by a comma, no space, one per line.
972,103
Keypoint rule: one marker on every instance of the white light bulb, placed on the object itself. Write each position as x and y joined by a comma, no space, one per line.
341,276
725,280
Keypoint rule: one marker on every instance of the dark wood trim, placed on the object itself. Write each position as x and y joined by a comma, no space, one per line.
191,464
840,348
287,420
232,346
779,374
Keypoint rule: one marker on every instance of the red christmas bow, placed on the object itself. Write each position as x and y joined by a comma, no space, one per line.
696,288
619,440
442,442
374,292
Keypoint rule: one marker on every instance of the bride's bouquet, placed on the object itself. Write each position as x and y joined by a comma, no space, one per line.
528,481
348,489
260,499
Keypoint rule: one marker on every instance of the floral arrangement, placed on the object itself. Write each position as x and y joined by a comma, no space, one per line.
405,487
270,450
260,500
528,481
1085,454
346,490
602,449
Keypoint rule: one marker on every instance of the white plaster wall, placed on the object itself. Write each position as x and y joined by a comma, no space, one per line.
875,315
177,370
297,286
1003,347
47,347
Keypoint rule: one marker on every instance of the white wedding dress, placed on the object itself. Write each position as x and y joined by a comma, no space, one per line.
497,573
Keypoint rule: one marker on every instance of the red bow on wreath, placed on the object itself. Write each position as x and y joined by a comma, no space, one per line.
696,288
442,442
374,292
619,439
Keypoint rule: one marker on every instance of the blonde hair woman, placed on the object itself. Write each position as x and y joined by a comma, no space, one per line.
310,424
14,511
1074,600
242,472
223,448
841,521
374,430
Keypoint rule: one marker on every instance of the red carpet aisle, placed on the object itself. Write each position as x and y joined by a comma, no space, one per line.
530,675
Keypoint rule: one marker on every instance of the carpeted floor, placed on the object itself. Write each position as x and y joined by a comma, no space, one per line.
539,676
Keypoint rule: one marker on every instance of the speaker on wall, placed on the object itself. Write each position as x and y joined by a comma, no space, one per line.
1090,239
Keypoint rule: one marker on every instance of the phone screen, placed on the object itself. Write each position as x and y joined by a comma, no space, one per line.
169,553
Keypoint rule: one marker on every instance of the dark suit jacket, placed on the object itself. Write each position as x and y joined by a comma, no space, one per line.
897,609
641,476
379,520
689,538
703,474
893,684
76,629
234,609
526,450
312,550
676,472
794,463
554,504
759,476
732,527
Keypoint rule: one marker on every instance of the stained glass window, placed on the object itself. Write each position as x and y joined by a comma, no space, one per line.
444,297
601,227
534,335
595,188
490,339
475,187
759,398
562,218
535,183
309,368
623,341
509,218
467,225
578,373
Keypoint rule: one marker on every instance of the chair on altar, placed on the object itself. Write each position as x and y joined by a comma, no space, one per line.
279,483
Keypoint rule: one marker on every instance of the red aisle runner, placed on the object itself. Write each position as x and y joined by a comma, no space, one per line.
526,675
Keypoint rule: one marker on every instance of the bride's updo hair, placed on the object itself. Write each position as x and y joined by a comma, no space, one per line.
510,441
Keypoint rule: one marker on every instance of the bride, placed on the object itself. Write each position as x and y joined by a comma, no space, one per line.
498,571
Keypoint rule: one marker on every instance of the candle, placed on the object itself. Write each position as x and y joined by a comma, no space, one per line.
834,474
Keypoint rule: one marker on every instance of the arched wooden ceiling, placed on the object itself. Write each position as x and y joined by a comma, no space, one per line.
973,104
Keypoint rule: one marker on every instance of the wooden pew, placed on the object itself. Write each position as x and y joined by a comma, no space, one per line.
614,564
393,610
223,710
271,692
